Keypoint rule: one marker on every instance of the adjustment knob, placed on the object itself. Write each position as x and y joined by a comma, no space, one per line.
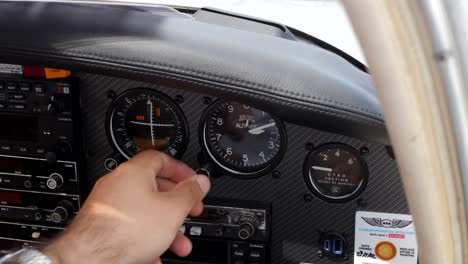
63,147
55,105
248,225
55,181
207,169
61,213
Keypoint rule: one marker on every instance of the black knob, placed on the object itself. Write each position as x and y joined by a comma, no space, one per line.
55,181
62,212
55,105
206,169
248,225
63,147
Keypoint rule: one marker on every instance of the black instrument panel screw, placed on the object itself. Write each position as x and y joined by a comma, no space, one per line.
361,203
309,146
364,151
276,174
179,99
320,254
111,94
308,197
221,211
207,100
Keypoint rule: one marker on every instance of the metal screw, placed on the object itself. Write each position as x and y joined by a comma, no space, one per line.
308,197
111,94
179,99
220,211
309,146
276,174
364,151
320,254
361,203
207,100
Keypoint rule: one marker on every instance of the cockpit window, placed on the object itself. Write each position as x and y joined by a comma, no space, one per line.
323,19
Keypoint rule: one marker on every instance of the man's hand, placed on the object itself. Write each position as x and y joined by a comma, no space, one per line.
133,214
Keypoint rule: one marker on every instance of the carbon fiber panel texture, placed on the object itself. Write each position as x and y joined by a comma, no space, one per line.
298,216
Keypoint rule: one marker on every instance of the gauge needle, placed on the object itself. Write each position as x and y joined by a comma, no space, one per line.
151,120
322,168
153,124
260,129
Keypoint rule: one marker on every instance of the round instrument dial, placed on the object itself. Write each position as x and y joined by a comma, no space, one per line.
141,119
336,172
242,140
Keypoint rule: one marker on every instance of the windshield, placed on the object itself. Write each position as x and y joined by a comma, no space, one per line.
323,19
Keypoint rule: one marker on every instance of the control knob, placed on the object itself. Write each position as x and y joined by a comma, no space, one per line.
63,147
248,225
207,169
61,213
55,181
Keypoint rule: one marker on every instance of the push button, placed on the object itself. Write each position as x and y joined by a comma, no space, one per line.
5,147
17,106
40,150
17,96
255,254
39,88
182,229
195,231
23,149
12,85
25,87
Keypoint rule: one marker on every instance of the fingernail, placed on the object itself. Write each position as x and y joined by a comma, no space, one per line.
204,183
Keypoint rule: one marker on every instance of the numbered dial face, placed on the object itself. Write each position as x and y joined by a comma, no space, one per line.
243,140
336,172
141,119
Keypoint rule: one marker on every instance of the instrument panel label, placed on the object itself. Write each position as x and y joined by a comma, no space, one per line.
383,238
11,68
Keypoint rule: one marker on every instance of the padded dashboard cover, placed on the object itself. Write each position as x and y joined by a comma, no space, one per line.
297,82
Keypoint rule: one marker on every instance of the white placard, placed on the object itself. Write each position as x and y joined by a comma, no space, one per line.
382,238
11,68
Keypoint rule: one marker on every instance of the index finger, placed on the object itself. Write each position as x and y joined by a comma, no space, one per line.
162,165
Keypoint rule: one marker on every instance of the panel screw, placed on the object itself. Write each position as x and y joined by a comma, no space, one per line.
111,94
276,174
207,100
361,203
320,254
364,151
179,99
220,211
308,197
309,146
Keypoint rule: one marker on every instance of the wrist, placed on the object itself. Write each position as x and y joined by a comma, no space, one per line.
59,252
85,242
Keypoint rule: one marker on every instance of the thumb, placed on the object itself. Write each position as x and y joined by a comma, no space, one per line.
188,193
